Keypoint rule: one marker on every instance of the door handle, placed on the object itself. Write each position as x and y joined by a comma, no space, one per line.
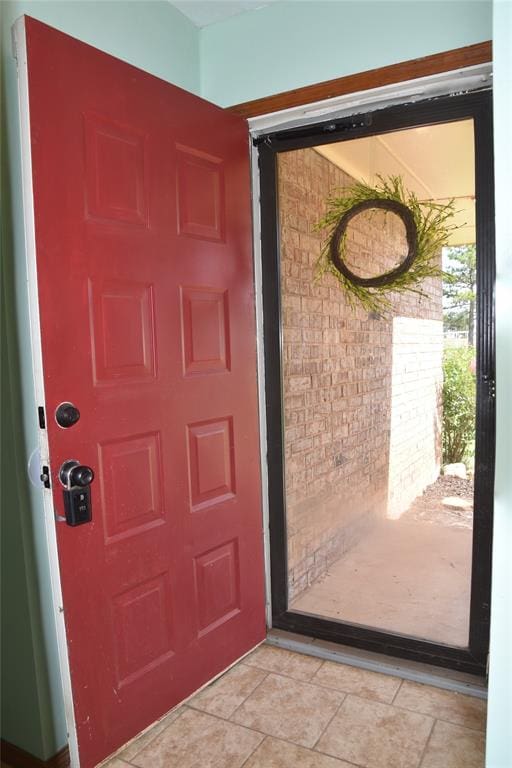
66,415
72,473
76,479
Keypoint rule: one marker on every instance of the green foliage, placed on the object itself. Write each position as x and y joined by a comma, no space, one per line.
459,396
459,290
455,321
432,223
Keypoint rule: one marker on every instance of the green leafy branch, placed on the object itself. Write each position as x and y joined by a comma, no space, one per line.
433,231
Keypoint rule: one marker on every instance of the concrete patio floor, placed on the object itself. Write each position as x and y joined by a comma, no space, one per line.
409,578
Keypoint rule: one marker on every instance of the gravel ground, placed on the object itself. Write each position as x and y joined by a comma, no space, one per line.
429,506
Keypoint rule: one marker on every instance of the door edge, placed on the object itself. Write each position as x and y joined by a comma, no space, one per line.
20,54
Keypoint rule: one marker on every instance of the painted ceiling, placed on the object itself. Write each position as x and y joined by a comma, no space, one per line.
205,12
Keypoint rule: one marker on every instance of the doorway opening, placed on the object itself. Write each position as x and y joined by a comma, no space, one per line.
380,423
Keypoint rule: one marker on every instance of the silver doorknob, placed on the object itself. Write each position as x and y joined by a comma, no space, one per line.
72,474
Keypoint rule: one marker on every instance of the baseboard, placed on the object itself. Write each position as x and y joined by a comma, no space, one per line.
14,757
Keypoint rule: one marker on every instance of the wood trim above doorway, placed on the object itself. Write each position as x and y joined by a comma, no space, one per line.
458,58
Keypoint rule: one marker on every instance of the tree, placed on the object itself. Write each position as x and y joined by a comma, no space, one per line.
459,290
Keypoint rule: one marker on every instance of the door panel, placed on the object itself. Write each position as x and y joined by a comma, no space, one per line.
143,236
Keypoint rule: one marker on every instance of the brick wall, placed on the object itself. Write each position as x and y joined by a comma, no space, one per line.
338,366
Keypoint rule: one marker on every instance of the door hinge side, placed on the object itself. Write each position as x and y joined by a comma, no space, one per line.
490,382
41,417
45,476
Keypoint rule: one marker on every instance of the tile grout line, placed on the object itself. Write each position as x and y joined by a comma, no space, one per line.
424,750
392,702
134,757
319,668
255,730
216,717
414,711
253,751
119,755
358,765
240,725
314,681
247,697
289,740
301,746
359,694
283,674
124,760
297,679
322,752
340,759
436,717
330,721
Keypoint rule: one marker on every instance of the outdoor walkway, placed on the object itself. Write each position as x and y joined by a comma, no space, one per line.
279,709
410,578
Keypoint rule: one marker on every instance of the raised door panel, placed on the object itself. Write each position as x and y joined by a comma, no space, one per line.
147,317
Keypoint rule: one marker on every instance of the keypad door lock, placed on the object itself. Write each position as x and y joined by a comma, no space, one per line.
76,479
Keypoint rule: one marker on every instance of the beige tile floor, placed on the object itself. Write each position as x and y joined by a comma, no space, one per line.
278,709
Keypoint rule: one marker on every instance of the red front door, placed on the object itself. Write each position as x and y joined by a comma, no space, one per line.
143,241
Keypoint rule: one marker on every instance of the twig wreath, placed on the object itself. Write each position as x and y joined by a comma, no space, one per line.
427,229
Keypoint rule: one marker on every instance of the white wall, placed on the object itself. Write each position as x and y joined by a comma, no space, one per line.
294,43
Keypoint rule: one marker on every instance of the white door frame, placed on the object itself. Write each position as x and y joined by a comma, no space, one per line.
457,81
